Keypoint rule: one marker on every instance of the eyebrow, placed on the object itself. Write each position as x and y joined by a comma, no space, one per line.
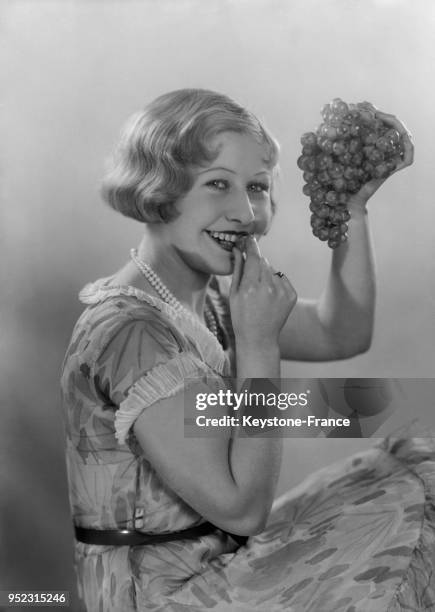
228,170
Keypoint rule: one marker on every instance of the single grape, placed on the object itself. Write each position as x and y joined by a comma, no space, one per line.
323,177
345,215
326,110
376,156
339,184
343,131
325,145
323,233
335,215
339,107
318,196
353,186
355,130
301,162
368,167
368,150
316,221
366,114
333,244
331,132
343,198
338,147
323,161
357,159
331,198
323,130
315,184
338,216
380,170
370,138
345,158
309,150
335,121
309,164
323,212
334,232
349,173
360,175
309,138
308,176
383,144
335,170
354,145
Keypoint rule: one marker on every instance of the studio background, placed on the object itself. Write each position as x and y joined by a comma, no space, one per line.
72,72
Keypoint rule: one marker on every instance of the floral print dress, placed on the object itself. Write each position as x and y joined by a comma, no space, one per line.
358,536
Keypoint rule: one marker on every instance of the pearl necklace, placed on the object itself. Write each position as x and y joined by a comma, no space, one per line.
168,297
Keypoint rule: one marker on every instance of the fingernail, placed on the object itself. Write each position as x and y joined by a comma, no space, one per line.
241,243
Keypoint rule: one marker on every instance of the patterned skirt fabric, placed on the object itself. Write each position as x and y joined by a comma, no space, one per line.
358,536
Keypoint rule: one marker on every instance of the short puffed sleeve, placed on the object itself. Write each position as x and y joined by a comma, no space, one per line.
145,360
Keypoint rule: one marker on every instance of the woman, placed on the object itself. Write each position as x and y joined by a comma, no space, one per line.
198,171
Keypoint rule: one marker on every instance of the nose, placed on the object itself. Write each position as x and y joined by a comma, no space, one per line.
240,209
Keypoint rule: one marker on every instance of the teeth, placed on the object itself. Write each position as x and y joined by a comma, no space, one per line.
226,237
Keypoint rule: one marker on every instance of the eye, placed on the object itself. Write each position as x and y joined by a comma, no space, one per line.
258,187
218,184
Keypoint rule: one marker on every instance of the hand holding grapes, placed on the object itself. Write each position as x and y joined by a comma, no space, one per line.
406,158
351,154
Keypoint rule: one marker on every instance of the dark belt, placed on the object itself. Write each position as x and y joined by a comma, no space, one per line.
131,537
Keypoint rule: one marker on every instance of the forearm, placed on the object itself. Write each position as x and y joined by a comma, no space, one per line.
255,461
347,305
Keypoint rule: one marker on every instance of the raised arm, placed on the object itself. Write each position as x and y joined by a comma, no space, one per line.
339,324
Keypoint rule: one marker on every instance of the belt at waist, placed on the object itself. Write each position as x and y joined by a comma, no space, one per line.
131,537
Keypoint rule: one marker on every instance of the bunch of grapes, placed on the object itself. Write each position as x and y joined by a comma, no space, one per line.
351,147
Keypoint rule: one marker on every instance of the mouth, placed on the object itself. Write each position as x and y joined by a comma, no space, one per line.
227,240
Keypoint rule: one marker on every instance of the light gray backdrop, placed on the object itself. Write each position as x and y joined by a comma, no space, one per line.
72,72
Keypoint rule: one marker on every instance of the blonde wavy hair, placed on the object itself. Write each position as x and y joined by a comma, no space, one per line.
151,165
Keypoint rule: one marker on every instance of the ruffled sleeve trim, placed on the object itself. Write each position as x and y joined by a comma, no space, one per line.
161,382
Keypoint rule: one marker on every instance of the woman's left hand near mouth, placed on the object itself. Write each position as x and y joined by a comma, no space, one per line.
260,300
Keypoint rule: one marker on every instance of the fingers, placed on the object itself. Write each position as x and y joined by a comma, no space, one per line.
281,279
252,246
256,274
237,270
395,123
252,269
408,146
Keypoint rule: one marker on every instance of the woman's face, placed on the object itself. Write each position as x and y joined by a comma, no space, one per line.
229,197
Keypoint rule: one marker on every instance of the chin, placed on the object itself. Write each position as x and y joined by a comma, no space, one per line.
222,269
212,265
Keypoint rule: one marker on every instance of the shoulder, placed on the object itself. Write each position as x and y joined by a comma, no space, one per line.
116,320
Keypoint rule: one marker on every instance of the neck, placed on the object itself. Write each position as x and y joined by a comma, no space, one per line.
187,285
